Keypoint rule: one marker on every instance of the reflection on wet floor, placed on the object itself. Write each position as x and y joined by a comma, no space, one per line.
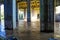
33,35
31,31
33,26
27,31
2,30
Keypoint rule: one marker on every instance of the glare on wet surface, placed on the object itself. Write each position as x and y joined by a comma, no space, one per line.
27,31
30,31
2,29
24,26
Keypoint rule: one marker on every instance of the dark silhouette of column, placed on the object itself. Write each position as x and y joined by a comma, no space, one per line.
48,15
51,15
16,14
0,14
42,15
45,15
28,11
8,14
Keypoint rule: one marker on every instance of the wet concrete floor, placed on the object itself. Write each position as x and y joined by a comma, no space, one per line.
27,31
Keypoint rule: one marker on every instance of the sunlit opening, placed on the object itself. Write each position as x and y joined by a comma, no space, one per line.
20,14
2,30
35,15
58,10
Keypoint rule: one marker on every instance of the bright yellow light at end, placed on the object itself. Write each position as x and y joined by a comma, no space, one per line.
33,18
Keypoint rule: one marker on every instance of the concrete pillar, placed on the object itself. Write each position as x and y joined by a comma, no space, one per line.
25,13
8,14
45,15
48,16
0,14
51,15
0,18
41,15
14,13
28,11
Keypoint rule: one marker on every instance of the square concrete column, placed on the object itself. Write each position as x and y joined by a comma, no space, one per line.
51,15
0,14
28,11
48,15
8,14
41,15
45,15
0,17
14,13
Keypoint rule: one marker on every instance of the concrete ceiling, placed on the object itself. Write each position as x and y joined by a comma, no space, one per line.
57,1
33,4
